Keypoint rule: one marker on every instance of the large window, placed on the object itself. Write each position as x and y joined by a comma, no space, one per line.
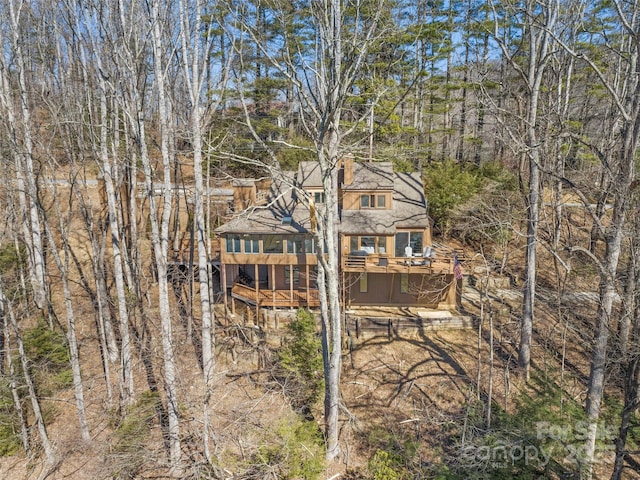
408,244
233,244
382,244
354,244
272,244
252,245
368,243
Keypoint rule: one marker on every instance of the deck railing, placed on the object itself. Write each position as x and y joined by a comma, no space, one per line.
440,263
276,298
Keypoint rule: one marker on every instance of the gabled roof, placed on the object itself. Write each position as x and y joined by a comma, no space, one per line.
409,206
281,203
308,175
372,176
409,210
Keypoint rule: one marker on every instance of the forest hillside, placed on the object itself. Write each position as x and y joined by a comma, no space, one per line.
126,130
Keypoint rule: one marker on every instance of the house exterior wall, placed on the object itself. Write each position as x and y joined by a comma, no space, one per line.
261,257
390,245
431,291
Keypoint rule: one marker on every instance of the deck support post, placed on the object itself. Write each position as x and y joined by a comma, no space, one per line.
223,270
257,280
291,286
307,284
393,279
273,286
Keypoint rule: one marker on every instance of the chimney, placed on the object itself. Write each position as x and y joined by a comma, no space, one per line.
244,194
347,166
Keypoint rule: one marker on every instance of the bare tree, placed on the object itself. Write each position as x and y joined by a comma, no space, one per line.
13,384
160,226
49,451
196,52
538,20
63,268
17,109
623,88
322,80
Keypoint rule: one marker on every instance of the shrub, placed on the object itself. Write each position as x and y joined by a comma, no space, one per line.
130,441
131,433
9,423
11,261
447,185
385,466
293,450
49,358
300,362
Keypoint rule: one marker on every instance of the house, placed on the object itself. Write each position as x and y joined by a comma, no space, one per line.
268,252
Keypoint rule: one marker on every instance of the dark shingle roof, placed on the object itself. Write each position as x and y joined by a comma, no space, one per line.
371,176
308,175
409,209
281,203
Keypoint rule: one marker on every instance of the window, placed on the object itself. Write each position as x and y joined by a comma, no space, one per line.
318,197
373,201
404,283
368,244
272,244
309,245
287,275
382,244
251,245
363,283
408,244
294,244
233,244
354,245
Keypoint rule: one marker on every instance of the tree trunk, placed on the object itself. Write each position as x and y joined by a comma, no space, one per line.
49,451
195,66
17,401
537,44
160,234
126,365
63,267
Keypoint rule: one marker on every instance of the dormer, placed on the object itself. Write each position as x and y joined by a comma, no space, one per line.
370,186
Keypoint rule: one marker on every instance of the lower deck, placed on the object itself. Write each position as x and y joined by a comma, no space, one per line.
291,298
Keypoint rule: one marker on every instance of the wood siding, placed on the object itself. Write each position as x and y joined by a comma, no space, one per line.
427,290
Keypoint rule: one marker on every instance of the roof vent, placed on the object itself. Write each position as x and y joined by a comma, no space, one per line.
286,220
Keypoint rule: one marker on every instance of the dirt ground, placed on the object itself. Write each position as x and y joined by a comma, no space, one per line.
414,385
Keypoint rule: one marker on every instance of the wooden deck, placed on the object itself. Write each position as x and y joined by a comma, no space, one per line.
275,298
375,263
